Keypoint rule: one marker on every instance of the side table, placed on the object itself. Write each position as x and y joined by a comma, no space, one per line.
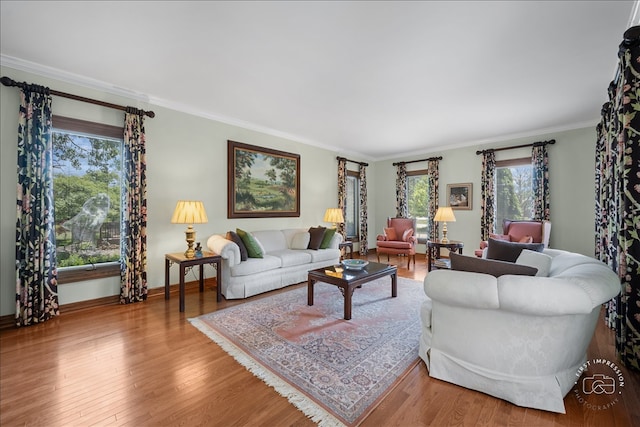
434,246
187,263
346,244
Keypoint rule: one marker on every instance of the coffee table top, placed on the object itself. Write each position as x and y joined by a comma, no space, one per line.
339,272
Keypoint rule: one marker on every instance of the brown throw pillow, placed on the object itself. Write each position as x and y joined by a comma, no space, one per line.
509,251
317,234
488,266
391,233
233,236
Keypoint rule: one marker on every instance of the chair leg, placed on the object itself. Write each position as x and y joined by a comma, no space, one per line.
378,255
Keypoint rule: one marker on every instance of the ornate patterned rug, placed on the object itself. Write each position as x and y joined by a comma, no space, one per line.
335,371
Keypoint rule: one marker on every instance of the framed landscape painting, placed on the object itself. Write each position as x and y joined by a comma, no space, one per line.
262,182
460,196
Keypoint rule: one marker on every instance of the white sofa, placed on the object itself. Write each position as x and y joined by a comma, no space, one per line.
518,338
281,266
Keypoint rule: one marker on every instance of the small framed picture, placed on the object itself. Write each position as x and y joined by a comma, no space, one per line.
460,196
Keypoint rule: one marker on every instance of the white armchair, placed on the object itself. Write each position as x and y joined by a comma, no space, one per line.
518,338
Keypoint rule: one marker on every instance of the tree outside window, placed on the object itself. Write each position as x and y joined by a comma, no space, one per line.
514,191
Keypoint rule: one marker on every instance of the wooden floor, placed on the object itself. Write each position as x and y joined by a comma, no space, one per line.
145,365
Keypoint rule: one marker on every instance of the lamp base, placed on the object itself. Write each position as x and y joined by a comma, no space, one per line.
190,237
444,234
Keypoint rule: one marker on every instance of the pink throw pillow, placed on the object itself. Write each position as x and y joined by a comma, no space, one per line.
504,237
390,233
526,239
407,233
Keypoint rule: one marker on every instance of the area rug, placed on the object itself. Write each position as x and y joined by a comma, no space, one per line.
335,371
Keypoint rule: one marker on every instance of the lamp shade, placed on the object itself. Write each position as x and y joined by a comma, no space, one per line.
189,212
444,214
333,215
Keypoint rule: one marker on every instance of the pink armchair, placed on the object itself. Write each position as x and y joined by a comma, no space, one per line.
525,231
398,239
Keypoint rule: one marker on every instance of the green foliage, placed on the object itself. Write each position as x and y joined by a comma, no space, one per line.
418,189
508,205
73,259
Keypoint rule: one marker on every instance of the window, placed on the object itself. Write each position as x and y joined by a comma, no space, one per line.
514,190
352,207
418,201
87,164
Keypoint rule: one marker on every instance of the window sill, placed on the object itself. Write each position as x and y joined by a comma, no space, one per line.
88,272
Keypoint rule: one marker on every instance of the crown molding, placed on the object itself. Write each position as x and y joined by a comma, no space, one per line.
75,79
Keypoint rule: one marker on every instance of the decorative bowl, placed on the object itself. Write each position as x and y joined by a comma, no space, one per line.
354,264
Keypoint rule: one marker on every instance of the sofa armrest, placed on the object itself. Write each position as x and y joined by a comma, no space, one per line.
225,248
462,289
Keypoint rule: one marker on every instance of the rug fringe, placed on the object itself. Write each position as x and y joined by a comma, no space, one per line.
307,406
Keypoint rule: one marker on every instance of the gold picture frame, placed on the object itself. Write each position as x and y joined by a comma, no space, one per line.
262,182
460,196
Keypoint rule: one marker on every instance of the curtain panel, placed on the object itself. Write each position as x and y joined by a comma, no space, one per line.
487,192
133,235
342,193
36,275
402,205
364,229
434,180
617,197
540,182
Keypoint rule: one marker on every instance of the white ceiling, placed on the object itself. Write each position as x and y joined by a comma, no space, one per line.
373,79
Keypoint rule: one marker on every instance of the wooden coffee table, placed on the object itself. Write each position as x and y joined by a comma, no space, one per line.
349,280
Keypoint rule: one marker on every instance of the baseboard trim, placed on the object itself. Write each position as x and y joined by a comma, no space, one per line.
9,321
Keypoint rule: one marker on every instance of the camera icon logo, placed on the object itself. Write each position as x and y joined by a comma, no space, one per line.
599,384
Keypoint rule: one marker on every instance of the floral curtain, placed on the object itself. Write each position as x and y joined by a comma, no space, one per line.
540,163
402,206
342,192
133,235
617,196
364,230
434,178
36,276
488,205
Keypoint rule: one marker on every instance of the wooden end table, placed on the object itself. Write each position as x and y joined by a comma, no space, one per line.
188,263
346,244
434,246
349,280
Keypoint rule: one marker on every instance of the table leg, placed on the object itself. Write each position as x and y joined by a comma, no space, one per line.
218,281
394,284
201,278
348,293
167,264
182,288
310,283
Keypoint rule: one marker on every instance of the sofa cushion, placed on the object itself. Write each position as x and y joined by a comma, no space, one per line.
256,265
300,240
495,268
509,251
323,255
326,239
253,247
233,236
317,233
536,260
391,234
289,257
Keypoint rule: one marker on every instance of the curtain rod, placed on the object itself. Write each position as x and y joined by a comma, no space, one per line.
352,161
552,141
7,81
415,161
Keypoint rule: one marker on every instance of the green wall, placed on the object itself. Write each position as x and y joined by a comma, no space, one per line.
187,159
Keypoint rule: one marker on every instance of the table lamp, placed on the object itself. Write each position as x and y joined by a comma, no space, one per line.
334,215
443,215
189,212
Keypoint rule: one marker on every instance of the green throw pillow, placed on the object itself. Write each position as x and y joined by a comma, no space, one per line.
326,240
253,248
